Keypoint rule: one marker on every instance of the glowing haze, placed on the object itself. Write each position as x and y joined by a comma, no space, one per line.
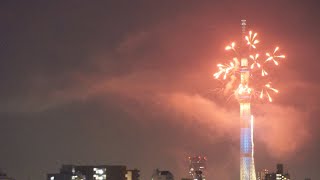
123,82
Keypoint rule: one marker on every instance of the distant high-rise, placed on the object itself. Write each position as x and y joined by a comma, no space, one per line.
278,175
102,172
162,175
279,168
197,167
262,174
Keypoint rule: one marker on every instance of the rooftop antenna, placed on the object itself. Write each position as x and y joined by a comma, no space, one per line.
243,28
243,25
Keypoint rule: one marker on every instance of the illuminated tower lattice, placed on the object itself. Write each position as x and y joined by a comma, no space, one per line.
247,78
247,168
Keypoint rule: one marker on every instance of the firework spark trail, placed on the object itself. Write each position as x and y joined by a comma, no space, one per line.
274,56
226,69
228,72
251,40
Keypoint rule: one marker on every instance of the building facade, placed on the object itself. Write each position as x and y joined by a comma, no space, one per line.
278,175
133,174
103,172
197,167
262,174
162,175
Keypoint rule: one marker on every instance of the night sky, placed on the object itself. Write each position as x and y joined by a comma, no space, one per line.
130,82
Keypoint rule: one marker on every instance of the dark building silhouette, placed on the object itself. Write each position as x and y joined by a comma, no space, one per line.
279,168
198,175
3,176
162,175
102,172
278,175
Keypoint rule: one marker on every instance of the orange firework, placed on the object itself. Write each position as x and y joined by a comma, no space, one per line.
226,69
256,63
251,40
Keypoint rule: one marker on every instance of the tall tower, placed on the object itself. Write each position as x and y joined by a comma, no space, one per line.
247,64
247,168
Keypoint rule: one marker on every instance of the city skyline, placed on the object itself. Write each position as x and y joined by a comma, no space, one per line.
131,83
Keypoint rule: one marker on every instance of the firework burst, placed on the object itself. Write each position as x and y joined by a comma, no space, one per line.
260,86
